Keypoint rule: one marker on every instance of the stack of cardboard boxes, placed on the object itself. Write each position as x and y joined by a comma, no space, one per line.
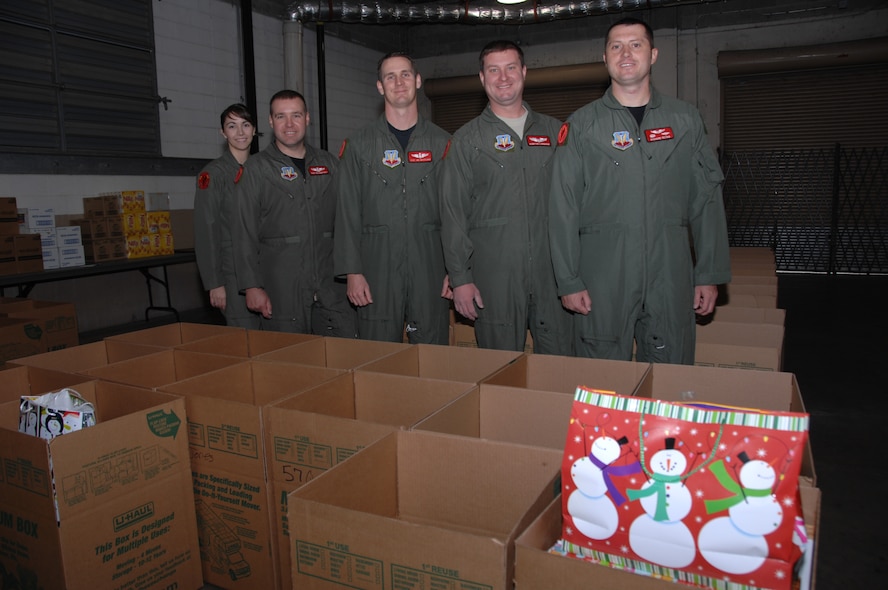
117,226
324,462
61,246
746,331
20,252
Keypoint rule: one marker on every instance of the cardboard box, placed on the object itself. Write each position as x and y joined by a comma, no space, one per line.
311,432
451,363
47,236
9,224
20,338
51,258
79,359
123,488
464,335
104,250
227,444
7,254
529,401
71,256
17,381
162,368
57,320
28,253
431,511
740,346
34,218
764,390
69,235
182,224
749,315
92,228
751,289
171,335
749,300
95,207
537,569
564,374
336,353
246,343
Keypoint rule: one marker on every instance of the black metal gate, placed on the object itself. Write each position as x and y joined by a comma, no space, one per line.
820,210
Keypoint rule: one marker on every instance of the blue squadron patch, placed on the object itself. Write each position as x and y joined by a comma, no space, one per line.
289,173
504,143
391,158
622,140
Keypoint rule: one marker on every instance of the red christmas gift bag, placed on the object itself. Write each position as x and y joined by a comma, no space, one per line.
695,493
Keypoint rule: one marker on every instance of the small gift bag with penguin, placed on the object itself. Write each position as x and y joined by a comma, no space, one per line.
696,493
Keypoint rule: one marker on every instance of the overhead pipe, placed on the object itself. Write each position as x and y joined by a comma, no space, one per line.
532,11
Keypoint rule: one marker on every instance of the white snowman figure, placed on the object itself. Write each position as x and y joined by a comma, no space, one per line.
736,543
659,536
594,513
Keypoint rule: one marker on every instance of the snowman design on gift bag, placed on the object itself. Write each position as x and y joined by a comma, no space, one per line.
594,514
736,543
659,535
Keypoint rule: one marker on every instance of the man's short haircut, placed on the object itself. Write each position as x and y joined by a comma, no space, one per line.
496,47
390,55
285,95
629,21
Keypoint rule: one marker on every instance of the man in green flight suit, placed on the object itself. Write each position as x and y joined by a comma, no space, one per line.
388,230
494,204
283,231
637,223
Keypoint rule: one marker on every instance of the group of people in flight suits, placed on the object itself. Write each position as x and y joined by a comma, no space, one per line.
604,236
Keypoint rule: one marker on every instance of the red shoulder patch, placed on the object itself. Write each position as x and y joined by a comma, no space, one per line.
203,181
562,133
342,148
240,172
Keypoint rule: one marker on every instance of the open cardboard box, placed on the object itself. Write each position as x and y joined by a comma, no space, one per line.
529,400
84,357
246,343
16,381
335,353
748,315
538,569
763,390
162,368
311,432
171,335
122,489
57,320
452,363
430,511
227,443
19,338
740,346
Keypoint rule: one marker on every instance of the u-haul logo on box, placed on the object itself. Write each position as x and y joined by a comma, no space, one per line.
133,516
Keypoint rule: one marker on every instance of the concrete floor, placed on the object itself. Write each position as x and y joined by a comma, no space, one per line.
836,329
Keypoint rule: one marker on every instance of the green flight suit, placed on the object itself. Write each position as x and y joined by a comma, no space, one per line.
631,205
213,207
283,242
494,213
388,229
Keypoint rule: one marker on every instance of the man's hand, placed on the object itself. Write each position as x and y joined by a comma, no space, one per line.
358,290
704,299
579,302
446,291
218,297
258,301
465,298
